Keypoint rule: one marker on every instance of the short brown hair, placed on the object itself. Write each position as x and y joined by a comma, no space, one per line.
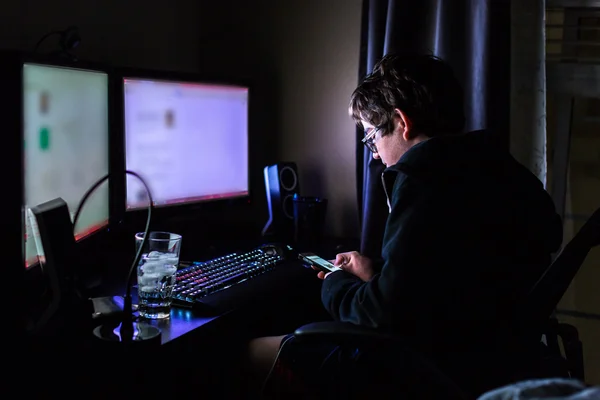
424,87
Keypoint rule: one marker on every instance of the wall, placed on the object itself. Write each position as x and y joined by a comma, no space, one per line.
317,51
301,56
132,33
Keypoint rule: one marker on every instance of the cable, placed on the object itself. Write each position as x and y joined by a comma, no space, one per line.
266,380
127,306
46,36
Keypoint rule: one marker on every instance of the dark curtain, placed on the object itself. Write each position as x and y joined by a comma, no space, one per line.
473,36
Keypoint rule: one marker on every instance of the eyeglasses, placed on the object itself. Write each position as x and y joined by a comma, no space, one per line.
369,139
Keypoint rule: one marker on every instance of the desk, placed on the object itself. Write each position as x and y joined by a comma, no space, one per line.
199,347
288,295
208,349
265,297
289,286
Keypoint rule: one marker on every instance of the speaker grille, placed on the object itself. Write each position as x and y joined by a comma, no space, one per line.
288,178
288,206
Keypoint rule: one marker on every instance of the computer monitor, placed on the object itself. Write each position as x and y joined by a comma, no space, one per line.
65,113
187,138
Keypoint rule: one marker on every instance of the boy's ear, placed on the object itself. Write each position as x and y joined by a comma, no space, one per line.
403,122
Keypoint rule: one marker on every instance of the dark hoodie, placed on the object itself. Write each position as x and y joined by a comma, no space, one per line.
469,232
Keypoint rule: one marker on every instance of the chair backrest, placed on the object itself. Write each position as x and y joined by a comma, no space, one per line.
550,288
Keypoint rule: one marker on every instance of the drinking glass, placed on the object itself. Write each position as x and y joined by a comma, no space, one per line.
156,273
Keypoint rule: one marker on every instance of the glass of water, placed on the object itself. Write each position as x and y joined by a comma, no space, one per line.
156,273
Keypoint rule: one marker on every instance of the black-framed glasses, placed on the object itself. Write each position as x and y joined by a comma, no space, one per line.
369,139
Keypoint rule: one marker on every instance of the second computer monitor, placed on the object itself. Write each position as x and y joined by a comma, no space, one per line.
188,140
65,116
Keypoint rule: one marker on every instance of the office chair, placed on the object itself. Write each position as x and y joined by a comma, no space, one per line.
536,319
538,312
346,370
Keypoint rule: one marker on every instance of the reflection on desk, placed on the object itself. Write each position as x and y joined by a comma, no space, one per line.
181,322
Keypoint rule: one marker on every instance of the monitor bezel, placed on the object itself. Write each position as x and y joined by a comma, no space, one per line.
175,210
13,63
12,205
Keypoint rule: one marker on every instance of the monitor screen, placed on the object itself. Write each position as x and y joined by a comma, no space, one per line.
65,120
188,141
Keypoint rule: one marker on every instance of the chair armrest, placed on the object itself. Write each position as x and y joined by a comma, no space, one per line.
573,349
342,332
421,373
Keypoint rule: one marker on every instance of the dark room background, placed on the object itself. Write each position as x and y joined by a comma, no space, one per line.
300,55
303,59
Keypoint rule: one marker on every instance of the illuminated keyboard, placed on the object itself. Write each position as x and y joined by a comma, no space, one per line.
197,280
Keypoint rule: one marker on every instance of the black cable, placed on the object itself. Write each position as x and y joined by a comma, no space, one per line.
127,326
46,36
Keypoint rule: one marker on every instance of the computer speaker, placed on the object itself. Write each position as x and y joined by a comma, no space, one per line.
281,183
56,233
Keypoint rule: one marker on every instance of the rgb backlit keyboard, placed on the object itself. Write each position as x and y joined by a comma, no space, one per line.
199,279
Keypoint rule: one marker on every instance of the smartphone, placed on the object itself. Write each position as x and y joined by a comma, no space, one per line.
321,263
